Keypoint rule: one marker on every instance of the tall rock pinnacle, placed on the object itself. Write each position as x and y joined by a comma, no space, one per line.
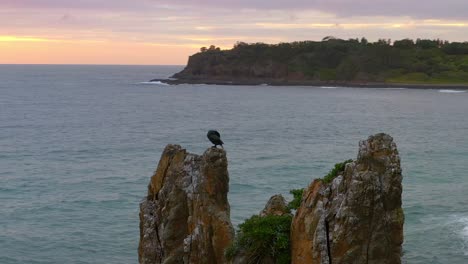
185,217
356,218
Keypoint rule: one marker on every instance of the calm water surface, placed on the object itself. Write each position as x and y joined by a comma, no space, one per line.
78,145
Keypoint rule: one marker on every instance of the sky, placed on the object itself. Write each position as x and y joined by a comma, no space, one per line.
166,32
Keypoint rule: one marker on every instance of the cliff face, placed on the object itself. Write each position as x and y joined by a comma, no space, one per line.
357,218
185,217
229,65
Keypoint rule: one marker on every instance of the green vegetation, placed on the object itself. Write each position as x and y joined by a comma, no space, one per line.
263,237
421,61
267,237
296,202
339,168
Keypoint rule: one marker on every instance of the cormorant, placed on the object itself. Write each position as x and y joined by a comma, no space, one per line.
215,138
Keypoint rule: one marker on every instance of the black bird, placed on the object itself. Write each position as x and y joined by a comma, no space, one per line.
215,138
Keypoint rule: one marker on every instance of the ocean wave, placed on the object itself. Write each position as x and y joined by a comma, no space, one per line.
328,87
456,225
451,91
154,83
464,234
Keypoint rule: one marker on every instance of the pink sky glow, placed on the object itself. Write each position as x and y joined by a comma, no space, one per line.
167,32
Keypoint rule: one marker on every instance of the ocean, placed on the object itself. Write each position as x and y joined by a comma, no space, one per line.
78,145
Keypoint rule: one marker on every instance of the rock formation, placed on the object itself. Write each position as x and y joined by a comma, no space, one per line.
357,218
185,217
276,205
354,218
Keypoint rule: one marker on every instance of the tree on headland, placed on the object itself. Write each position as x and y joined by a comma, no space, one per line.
404,44
327,38
364,41
211,48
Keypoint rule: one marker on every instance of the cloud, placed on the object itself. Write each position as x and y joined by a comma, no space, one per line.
343,8
83,4
435,9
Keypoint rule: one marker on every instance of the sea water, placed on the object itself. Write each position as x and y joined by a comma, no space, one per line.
78,145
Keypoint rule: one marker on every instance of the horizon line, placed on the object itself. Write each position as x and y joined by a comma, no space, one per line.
85,64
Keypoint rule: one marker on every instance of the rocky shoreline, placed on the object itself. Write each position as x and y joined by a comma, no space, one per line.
267,82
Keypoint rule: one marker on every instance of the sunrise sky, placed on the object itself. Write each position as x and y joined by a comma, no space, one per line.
167,32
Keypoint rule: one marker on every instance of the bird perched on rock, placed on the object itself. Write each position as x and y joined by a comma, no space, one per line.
215,138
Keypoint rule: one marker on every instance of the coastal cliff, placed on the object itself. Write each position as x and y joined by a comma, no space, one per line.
353,215
416,64
185,216
357,217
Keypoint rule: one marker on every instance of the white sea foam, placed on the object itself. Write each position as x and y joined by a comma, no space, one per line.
451,91
328,87
154,83
464,234
456,225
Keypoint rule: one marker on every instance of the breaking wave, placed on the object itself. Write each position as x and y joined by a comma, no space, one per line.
451,91
464,234
154,83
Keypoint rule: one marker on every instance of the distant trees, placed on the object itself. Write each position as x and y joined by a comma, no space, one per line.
211,48
456,48
428,44
404,44
405,60
364,41
327,38
383,42
240,44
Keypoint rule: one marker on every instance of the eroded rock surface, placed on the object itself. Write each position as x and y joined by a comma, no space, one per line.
185,217
276,205
357,218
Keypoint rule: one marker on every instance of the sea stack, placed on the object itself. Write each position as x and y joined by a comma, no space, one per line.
185,217
357,217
